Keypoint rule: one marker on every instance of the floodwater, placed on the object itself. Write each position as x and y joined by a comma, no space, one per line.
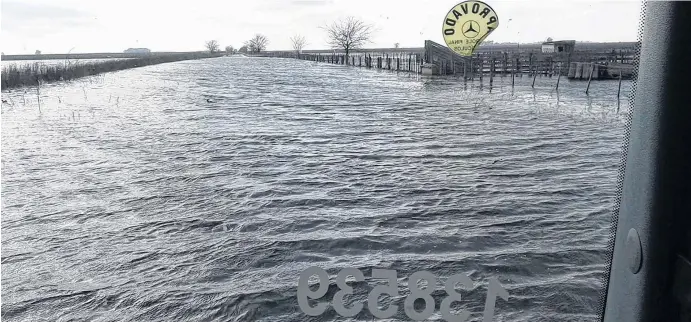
199,190
55,62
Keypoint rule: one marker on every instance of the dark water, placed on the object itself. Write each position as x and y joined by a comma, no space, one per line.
130,197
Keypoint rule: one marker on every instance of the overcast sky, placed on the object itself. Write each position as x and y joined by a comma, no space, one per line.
58,26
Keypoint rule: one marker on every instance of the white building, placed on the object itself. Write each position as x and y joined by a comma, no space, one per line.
548,47
559,46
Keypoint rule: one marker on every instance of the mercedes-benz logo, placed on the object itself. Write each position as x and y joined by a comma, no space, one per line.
470,29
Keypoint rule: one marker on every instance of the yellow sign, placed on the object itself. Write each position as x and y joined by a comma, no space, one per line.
467,25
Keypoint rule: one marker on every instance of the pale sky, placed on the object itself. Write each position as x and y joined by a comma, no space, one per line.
58,26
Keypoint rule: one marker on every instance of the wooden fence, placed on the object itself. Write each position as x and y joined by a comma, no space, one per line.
395,61
436,59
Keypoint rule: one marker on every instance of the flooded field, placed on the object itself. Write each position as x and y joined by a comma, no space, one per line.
54,62
199,190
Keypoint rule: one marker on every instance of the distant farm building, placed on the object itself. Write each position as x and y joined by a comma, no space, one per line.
138,51
560,46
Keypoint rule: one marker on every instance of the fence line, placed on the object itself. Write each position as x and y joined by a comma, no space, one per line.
398,61
477,66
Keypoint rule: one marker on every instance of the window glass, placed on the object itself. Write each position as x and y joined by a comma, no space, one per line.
209,160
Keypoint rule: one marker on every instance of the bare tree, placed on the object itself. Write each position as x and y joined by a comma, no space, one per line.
397,45
257,43
212,46
230,50
348,34
299,43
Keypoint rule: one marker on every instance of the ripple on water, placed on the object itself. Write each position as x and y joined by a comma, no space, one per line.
199,190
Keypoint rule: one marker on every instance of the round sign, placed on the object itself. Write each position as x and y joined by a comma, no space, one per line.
467,24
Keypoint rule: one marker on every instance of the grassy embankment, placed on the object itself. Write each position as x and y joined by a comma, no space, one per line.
32,74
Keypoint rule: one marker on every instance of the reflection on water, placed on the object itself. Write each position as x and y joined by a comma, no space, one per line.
201,189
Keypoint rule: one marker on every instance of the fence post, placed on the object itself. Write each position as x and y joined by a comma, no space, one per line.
513,74
503,72
592,68
472,70
619,90
482,67
465,72
558,76
530,63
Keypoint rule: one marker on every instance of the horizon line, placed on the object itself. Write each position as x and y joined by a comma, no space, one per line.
321,49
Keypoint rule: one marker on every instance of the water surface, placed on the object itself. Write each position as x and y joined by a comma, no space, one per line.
55,62
199,190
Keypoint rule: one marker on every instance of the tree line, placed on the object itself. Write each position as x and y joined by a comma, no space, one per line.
346,34
257,44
